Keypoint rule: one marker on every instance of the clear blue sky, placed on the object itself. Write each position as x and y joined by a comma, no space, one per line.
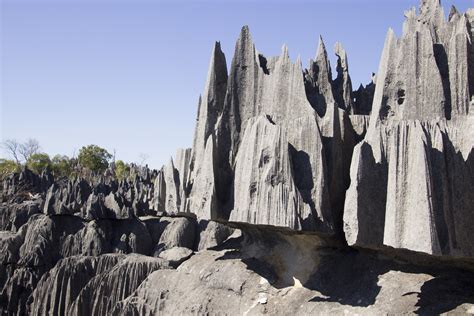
127,75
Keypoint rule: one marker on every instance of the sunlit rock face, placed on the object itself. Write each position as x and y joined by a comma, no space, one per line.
278,142
304,125
412,177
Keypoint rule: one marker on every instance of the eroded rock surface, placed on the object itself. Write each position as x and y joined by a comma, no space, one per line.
412,176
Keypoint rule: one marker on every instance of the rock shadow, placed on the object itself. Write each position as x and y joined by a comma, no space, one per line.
303,178
445,292
371,198
441,58
313,94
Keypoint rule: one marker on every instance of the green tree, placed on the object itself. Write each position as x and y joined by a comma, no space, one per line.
94,158
38,162
62,166
8,167
122,170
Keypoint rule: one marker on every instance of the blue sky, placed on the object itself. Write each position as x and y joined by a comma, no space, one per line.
126,75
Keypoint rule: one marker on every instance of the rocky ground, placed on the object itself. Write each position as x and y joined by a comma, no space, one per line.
65,264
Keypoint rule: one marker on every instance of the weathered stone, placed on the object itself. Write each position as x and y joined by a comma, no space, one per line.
210,108
179,232
271,87
176,255
264,189
342,85
14,215
364,97
212,234
61,286
106,289
202,199
265,271
167,197
419,143
276,149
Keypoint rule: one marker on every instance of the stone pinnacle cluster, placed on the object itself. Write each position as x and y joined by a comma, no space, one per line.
390,164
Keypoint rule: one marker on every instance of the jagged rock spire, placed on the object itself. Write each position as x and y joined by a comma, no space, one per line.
240,100
211,104
319,80
324,73
342,86
429,7
453,13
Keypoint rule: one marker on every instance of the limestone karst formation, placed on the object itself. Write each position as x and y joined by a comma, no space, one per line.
299,195
283,144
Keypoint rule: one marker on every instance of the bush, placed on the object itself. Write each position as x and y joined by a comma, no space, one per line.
8,167
94,158
38,163
122,170
62,166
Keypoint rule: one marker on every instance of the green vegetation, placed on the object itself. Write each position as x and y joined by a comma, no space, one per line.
38,162
7,167
94,158
62,166
122,170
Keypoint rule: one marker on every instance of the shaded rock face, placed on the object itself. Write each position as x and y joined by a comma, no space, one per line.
363,98
419,144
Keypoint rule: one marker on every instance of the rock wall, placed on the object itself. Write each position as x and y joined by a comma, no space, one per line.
419,141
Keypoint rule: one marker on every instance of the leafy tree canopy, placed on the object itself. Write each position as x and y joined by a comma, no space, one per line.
8,167
122,170
38,162
94,158
62,166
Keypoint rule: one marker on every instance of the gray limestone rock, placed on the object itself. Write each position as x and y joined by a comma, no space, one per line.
275,88
15,215
210,107
81,285
342,85
167,197
202,199
179,232
66,196
269,272
212,234
264,188
183,161
364,97
176,255
60,287
411,178
104,290
287,168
